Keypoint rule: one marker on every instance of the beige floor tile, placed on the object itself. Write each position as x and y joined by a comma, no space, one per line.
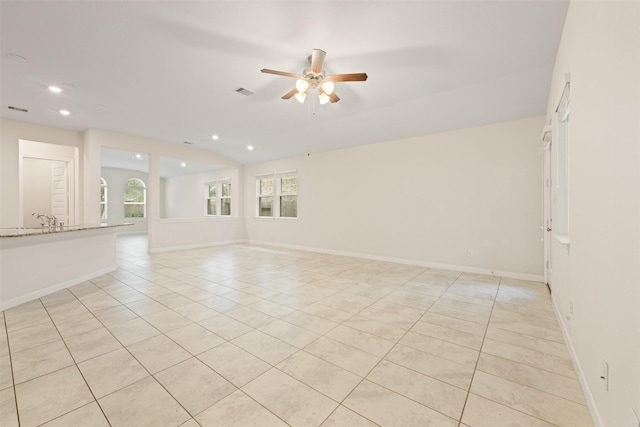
327,313
4,343
195,338
430,392
195,311
50,396
8,412
342,355
310,322
234,364
114,315
529,357
539,379
225,326
220,304
533,402
435,367
527,341
289,333
57,298
145,307
373,327
361,340
158,353
526,318
190,423
99,301
76,325
91,344
288,398
88,415
469,300
238,410
111,372
345,417
266,347
172,299
6,374
321,375
387,408
453,336
133,331
387,317
25,318
527,329
411,299
271,308
443,349
144,403
192,375
41,360
250,316
32,336
455,323
167,320
460,313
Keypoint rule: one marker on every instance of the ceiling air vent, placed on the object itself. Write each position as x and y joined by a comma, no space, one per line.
22,110
187,142
244,91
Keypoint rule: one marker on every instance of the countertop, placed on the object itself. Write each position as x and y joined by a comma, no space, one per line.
37,231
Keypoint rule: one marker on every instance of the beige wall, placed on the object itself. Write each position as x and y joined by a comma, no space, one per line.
428,200
599,273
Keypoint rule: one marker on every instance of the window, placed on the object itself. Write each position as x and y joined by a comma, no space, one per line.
103,198
135,199
265,192
218,198
277,195
288,195
225,198
211,189
561,218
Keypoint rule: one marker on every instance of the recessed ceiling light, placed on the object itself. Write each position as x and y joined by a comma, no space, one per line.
65,112
55,89
183,164
250,147
138,156
215,137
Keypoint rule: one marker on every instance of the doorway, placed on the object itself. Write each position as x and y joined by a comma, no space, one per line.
47,182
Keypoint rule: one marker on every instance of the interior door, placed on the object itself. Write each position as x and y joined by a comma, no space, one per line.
60,191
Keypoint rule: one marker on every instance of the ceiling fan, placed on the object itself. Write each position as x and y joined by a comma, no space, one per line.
314,77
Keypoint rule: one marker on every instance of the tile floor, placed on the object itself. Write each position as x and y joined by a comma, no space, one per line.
254,336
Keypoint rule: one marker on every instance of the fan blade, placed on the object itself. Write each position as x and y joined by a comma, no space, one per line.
355,77
289,94
317,58
333,97
281,73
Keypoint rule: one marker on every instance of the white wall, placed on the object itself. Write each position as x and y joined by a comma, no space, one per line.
600,271
36,184
184,196
427,200
116,179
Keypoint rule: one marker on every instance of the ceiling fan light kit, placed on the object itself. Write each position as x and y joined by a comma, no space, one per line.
314,77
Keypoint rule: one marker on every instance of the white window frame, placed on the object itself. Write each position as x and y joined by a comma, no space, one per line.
219,183
103,204
277,196
259,195
207,197
144,199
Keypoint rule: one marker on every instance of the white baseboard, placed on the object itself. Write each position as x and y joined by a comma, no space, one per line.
591,403
462,268
4,305
194,246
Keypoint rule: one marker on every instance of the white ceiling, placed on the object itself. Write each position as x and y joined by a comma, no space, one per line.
168,70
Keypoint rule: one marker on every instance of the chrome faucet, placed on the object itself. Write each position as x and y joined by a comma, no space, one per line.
40,217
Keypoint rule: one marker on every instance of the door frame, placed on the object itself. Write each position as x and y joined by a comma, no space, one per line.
547,202
46,151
